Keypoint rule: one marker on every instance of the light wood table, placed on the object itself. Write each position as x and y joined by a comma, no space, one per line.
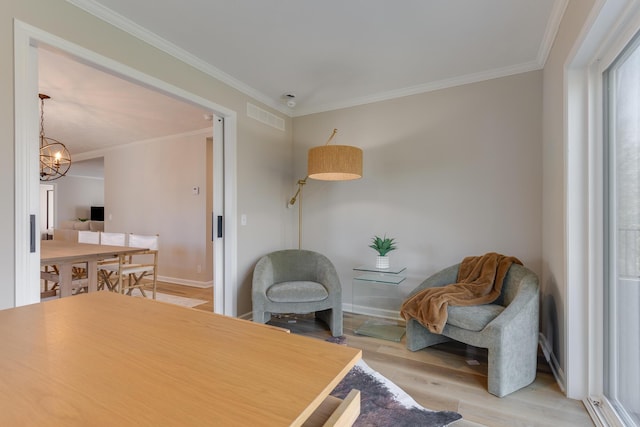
106,359
65,254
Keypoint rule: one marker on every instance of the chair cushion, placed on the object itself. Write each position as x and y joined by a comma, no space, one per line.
473,318
297,291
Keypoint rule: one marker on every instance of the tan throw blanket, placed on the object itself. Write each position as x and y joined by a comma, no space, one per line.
479,282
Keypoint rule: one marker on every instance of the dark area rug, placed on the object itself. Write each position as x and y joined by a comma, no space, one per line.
384,404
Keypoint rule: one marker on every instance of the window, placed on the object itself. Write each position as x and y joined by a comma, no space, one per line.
622,234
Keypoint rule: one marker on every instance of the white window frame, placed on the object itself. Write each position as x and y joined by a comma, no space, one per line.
609,29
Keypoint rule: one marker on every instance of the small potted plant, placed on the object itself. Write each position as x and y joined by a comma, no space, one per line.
383,246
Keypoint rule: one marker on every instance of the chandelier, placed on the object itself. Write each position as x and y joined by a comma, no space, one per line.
55,159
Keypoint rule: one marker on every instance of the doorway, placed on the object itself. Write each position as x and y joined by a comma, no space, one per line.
27,183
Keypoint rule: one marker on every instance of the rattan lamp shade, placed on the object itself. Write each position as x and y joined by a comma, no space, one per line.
335,163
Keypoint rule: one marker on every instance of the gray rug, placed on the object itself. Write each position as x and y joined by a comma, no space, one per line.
384,404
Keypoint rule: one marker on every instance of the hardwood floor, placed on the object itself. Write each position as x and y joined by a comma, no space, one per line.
450,376
188,292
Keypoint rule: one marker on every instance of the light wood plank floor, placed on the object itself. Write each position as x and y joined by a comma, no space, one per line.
440,377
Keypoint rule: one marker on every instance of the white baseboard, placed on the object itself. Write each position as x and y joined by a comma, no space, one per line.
371,311
193,283
246,316
558,373
350,308
357,309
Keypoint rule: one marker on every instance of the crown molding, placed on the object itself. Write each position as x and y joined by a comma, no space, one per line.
419,89
550,32
130,27
124,24
88,155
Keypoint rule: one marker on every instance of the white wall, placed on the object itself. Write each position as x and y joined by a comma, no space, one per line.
74,197
450,173
148,190
265,174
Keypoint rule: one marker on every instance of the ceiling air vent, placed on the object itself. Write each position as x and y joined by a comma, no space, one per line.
264,116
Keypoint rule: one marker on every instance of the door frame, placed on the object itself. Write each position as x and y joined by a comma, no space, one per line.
27,39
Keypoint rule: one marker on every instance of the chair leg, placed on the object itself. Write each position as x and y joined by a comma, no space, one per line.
261,316
419,337
106,278
511,367
333,318
155,282
132,282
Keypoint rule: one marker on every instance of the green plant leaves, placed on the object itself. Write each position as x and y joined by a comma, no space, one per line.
383,245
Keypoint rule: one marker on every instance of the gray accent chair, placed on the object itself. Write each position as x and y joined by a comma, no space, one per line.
297,281
508,328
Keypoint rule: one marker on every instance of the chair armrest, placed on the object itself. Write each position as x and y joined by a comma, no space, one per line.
263,276
518,312
327,275
441,278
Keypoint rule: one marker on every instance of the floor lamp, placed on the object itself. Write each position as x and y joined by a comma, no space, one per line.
328,163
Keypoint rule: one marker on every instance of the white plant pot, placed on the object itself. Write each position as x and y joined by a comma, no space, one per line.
382,262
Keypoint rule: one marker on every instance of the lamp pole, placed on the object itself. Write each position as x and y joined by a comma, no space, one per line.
292,202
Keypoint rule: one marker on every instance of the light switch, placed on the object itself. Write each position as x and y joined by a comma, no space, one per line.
195,191
243,219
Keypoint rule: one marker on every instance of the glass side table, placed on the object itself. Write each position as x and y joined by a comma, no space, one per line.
376,292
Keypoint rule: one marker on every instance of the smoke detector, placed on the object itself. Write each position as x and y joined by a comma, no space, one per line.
289,99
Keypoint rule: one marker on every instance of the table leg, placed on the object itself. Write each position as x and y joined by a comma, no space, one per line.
65,280
120,262
92,273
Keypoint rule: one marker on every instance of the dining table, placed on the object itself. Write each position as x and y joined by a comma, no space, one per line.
64,254
107,359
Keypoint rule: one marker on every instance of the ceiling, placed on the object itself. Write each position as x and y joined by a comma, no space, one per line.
330,54
91,110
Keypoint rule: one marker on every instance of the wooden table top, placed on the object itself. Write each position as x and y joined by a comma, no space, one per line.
52,251
104,359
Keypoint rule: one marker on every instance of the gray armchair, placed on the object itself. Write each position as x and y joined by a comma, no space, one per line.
297,281
508,328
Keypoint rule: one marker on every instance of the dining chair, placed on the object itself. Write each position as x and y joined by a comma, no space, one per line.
80,282
79,272
104,274
49,275
112,239
135,267
92,237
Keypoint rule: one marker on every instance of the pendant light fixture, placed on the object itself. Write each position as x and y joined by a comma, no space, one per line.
55,159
